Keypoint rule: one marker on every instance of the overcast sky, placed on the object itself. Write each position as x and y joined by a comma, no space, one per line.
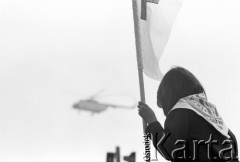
53,53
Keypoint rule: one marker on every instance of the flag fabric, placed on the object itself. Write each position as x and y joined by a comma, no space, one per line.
153,20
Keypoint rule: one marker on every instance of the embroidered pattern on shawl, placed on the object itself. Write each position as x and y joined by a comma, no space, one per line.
199,104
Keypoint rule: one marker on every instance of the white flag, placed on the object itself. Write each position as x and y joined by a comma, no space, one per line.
153,20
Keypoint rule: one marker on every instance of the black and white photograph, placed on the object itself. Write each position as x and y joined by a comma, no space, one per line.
119,81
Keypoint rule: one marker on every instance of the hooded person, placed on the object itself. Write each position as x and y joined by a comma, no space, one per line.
193,129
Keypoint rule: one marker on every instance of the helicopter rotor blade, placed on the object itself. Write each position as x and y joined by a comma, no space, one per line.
93,97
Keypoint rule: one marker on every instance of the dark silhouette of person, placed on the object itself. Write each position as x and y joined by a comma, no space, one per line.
193,129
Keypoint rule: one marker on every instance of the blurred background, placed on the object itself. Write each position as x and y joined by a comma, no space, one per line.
54,53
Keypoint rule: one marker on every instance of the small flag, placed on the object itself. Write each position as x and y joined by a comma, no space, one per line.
153,20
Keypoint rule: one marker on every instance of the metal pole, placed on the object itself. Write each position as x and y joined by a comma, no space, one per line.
118,154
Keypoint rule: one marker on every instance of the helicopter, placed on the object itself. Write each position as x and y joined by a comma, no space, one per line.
94,106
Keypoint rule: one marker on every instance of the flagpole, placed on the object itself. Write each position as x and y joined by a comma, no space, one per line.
142,93
139,54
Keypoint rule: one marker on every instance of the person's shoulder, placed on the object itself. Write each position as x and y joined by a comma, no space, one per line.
183,111
180,116
189,120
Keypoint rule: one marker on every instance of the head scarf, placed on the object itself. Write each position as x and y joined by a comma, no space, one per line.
199,104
